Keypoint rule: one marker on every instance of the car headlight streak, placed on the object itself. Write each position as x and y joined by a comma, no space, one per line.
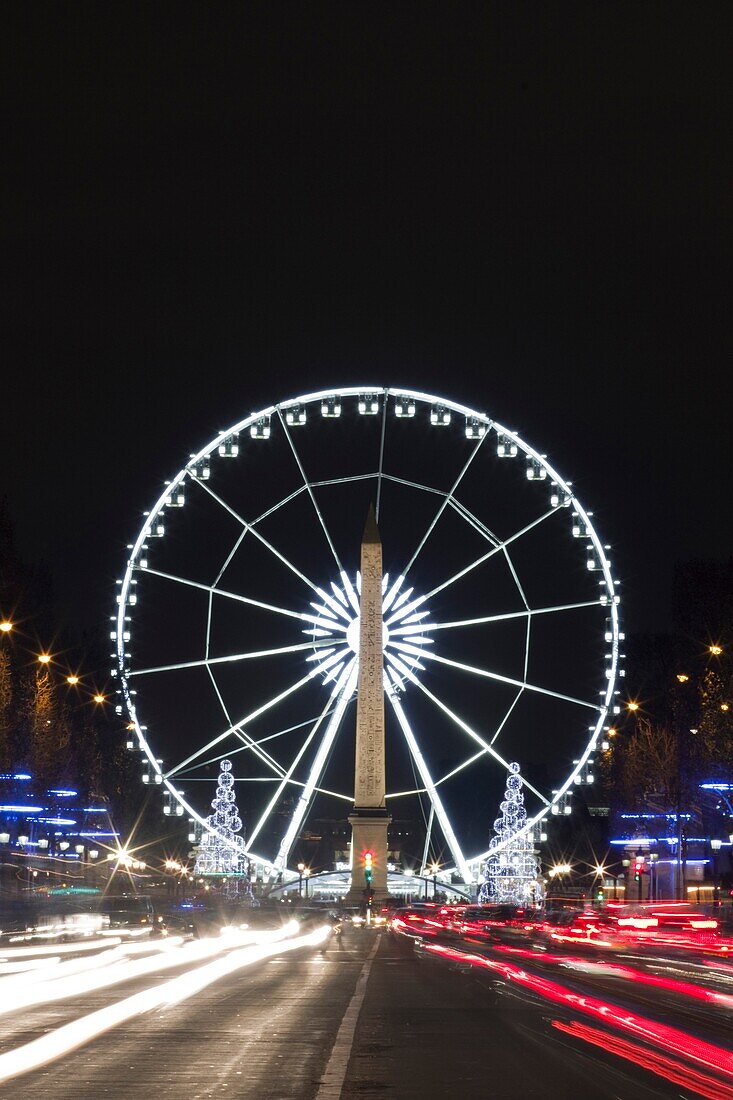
64,1039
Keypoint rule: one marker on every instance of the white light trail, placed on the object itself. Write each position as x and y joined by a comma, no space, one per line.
56,949
54,968
55,1044
62,988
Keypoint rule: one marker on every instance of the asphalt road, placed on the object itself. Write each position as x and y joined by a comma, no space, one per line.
426,1024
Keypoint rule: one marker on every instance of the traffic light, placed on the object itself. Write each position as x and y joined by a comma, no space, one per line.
368,856
638,868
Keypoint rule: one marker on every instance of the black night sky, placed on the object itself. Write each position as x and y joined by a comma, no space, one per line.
209,208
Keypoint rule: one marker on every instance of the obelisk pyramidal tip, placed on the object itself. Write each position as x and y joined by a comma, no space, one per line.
371,536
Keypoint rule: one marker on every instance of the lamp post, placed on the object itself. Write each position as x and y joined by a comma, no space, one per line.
306,873
599,872
715,846
434,872
684,714
301,868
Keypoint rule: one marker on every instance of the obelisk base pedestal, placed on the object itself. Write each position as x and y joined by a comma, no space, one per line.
368,834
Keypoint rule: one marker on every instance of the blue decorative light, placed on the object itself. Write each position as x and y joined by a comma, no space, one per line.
674,861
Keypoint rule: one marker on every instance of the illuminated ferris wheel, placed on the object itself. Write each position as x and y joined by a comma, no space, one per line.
241,591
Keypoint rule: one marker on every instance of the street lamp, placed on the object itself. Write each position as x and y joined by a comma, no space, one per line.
434,868
6,626
715,845
560,869
715,650
44,658
301,868
306,872
73,680
99,698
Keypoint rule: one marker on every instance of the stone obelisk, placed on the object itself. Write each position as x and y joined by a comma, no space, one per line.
369,819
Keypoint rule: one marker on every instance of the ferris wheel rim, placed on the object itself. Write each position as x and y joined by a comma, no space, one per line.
385,393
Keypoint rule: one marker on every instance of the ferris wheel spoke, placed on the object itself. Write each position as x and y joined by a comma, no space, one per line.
508,715
268,545
442,507
273,779
254,833
237,596
276,507
248,742
515,577
461,767
422,767
382,436
256,742
243,721
334,706
527,637
230,556
527,613
474,564
415,651
407,672
347,684
311,494
407,484
232,657
473,521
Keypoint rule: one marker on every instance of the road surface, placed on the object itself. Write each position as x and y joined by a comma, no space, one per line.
371,1016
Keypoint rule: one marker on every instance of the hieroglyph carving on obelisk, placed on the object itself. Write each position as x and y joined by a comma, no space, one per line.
369,778
369,819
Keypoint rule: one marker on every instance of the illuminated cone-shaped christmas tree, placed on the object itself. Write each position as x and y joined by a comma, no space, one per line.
222,852
511,872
